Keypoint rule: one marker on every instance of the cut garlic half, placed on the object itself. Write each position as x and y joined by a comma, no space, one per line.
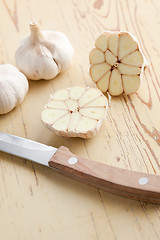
75,112
117,63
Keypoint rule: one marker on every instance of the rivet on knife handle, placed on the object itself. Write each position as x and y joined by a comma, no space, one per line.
135,185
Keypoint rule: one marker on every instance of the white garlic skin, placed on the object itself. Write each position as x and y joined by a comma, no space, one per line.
43,54
13,87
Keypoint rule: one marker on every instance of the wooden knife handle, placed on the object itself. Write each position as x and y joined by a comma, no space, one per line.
135,185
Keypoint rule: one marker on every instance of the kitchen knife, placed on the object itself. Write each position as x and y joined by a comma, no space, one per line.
135,185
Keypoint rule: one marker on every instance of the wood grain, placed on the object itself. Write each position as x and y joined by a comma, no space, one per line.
36,203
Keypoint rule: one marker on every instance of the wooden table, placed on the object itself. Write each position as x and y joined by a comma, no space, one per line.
35,202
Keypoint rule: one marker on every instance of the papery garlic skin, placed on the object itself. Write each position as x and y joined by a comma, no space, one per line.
43,54
13,87
75,112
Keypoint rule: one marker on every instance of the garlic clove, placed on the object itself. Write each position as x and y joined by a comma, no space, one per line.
134,59
76,92
128,70
39,67
115,86
110,58
93,112
96,56
127,45
82,116
75,117
13,87
103,82
102,42
130,83
123,65
63,51
113,42
43,54
51,115
98,70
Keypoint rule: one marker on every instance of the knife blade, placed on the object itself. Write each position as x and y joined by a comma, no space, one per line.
28,149
127,183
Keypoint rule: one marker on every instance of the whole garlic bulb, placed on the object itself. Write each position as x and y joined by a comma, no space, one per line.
13,87
43,54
